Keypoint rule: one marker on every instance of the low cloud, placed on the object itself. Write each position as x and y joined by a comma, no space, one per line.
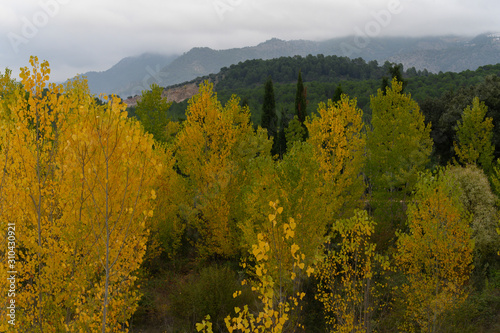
78,36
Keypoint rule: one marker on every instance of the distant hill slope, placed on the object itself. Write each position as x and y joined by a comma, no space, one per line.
128,74
447,53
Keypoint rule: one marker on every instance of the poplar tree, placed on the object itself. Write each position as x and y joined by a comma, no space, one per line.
398,148
474,136
435,254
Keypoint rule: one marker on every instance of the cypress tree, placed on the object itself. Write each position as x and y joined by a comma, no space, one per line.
337,94
269,119
300,100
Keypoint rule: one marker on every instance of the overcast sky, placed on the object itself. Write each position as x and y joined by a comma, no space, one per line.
76,36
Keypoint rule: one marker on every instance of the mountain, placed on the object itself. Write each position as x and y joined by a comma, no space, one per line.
445,53
138,70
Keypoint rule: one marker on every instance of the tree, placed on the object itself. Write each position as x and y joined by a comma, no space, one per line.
117,169
435,254
337,94
278,261
474,136
281,140
269,117
396,73
80,177
213,150
346,284
301,100
480,202
339,143
398,148
295,132
152,111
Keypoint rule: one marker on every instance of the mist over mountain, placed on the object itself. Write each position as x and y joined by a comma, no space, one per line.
445,53
128,71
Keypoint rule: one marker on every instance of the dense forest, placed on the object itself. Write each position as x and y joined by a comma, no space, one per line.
315,194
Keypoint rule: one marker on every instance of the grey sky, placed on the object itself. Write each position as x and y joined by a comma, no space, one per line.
76,36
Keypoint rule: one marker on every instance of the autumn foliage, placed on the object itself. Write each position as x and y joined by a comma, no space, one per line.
108,208
78,180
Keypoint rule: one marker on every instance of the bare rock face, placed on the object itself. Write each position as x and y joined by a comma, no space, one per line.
181,93
176,94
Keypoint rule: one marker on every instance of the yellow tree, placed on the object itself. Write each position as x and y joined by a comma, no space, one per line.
213,149
339,146
33,123
115,166
9,235
435,254
276,255
78,177
347,286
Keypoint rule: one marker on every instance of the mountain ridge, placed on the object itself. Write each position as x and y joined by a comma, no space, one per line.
439,53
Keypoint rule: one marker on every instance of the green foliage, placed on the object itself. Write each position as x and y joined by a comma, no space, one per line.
301,100
295,132
338,93
474,135
399,144
152,111
269,117
398,148
479,201
208,293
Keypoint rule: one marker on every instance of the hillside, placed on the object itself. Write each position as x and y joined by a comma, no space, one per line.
129,74
447,53
322,75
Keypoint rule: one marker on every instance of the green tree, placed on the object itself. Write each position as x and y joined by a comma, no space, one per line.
479,201
269,117
399,146
295,132
281,140
152,111
301,100
474,135
396,73
337,94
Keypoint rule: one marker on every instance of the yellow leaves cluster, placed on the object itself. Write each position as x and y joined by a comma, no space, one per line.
269,257
339,143
76,187
209,150
436,253
345,277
